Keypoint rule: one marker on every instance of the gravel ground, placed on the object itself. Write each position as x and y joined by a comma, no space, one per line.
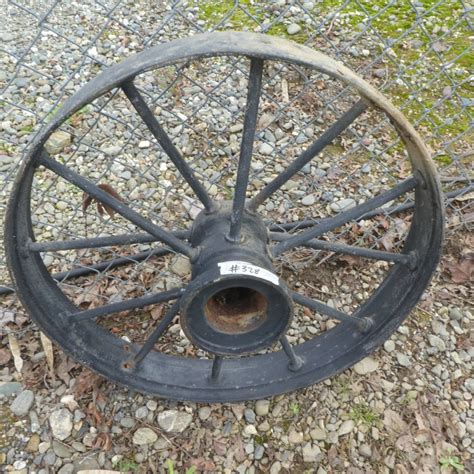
406,408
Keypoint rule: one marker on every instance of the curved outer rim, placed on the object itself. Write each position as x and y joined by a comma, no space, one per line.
241,379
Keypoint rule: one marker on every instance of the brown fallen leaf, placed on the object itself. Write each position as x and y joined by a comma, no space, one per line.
86,382
394,422
101,207
48,350
5,356
93,415
404,442
15,351
157,312
102,441
461,271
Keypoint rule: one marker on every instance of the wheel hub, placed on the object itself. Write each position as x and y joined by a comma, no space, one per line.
235,302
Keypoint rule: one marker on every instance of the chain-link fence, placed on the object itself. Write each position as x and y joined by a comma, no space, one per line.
418,53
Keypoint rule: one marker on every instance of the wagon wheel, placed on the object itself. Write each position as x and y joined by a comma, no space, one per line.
236,308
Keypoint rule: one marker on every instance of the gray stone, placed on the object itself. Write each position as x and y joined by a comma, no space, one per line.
439,328
437,342
301,138
258,452
366,451
44,89
141,413
144,436
455,314
180,266
6,159
62,450
204,413
311,452
295,437
262,407
61,423
10,388
174,421
6,37
403,360
389,346
22,403
49,458
66,469
366,366
249,416
22,82
327,196
308,200
346,427
57,142
293,29
469,384
343,205
265,149
127,422
318,434
236,128
87,463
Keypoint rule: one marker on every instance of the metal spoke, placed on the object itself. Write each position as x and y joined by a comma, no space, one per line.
97,193
362,323
98,242
133,303
99,267
164,140
345,217
216,367
406,259
156,334
306,156
295,362
246,147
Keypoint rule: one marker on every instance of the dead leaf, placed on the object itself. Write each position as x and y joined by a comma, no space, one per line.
86,383
387,241
15,350
420,422
48,350
101,207
394,422
462,270
464,197
102,441
64,367
5,356
94,415
157,312
202,464
404,442
220,448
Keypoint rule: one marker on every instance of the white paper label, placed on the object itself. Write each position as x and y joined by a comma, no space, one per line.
243,268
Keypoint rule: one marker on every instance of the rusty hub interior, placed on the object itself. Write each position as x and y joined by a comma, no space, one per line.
236,310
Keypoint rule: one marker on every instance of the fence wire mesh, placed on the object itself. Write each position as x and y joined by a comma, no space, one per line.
418,53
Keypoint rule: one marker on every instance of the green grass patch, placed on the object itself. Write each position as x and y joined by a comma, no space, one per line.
227,14
363,413
451,462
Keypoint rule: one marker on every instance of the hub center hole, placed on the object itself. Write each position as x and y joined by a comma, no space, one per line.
236,310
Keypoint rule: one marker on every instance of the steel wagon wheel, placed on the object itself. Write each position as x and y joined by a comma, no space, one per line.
237,307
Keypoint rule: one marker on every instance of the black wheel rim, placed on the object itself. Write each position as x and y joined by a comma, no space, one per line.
228,379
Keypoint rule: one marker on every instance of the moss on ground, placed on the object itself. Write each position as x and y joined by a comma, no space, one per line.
419,47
